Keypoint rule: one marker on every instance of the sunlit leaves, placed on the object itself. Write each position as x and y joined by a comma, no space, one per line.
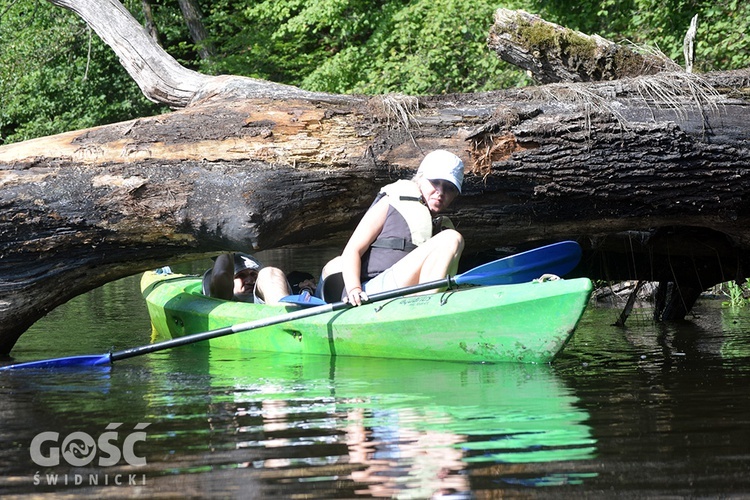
57,75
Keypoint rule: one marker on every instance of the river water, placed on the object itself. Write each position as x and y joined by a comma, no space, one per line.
648,410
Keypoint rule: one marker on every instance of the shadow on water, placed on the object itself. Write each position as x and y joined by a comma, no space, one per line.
668,402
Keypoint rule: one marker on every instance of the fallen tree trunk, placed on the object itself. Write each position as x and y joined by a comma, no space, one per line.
553,53
649,170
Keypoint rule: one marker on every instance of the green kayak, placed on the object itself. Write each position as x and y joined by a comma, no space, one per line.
527,323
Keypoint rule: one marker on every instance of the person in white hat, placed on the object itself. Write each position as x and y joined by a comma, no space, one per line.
400,241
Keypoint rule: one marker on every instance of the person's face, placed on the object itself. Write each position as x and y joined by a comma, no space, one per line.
438,194
308,285
244,281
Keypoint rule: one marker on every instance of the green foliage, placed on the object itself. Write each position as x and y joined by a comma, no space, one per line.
343,46
171,27
723,40
57,75
264,39
424,47
736,294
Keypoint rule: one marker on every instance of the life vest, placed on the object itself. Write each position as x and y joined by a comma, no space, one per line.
408,224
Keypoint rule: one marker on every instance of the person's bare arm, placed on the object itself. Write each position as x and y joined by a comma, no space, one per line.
365,233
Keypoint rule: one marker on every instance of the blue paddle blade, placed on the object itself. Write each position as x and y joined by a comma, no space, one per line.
304,299
557,258
71,361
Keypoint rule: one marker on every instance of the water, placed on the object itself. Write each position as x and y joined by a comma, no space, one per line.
649,410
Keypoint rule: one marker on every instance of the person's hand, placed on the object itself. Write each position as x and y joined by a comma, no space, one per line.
308,285
356,296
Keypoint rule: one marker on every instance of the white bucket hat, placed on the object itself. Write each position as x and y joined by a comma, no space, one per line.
443,165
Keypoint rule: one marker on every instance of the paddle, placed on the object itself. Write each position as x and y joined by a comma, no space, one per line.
558,258
303,299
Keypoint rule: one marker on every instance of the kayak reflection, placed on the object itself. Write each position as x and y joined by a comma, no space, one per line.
395,427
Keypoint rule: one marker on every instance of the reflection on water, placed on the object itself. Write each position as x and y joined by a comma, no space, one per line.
645,410
385,427
283,423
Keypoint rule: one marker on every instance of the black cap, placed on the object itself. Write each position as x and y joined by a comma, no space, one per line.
295,278
244,261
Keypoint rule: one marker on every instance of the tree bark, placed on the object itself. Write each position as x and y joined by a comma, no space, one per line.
160,77
148,16
649,174
194,19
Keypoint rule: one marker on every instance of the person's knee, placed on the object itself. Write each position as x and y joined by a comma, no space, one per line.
452,239
272,279
221,280
272,285
269,273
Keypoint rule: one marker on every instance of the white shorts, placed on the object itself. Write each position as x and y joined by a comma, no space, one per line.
383,282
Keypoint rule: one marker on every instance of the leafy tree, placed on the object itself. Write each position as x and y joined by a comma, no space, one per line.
422,47
174,34
57,75
341,46
264,39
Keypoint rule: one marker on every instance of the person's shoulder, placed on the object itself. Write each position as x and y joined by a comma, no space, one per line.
398,186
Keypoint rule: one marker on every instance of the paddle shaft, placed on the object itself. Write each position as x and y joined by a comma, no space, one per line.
273,320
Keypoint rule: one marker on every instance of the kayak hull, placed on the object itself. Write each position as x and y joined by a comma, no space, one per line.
528,323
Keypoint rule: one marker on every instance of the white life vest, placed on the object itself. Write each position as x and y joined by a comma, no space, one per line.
408,224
